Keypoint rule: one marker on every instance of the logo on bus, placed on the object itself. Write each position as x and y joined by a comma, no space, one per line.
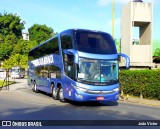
43,61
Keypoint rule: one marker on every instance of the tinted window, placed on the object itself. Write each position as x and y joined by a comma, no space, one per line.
38,71
40,51
47,48
52,47
54,72
48,71
66,41
31,55
94,42
69,66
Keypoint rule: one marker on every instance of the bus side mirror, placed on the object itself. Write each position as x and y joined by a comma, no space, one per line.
67,52
73,53
127,59
68,56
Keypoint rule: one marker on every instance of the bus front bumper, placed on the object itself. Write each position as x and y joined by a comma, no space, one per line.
82,96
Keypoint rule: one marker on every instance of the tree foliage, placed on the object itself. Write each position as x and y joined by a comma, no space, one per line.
11,24
23,47
5,51
157,52
10,32
19,55
16,60
13,49
40,33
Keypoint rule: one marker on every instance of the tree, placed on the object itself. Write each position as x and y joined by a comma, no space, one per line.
19,56
40,33
157,52
11,27
23,47
7,46
16,60
1,38
11,39
5,51
11,24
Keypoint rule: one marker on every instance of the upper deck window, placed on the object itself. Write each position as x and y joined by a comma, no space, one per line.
94,42
66,40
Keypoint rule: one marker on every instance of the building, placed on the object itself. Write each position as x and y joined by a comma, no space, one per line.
25,36
137,14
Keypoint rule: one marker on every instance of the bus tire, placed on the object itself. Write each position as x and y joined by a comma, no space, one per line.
54,92
32,83
34,88
60,95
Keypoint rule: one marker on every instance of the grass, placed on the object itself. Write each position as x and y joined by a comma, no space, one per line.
2,81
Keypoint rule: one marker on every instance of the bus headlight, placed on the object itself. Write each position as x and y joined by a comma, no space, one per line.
80,89
79,96
115,90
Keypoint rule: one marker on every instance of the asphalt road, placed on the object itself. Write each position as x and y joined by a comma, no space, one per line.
20,103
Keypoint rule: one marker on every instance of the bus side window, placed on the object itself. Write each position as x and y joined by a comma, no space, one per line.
54,72
69,65
66,41
52,46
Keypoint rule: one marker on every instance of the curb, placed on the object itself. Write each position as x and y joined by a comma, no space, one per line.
144,102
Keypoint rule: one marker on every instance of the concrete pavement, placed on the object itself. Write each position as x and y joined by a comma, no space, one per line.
19,84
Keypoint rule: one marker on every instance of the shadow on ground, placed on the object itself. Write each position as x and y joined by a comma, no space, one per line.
76,111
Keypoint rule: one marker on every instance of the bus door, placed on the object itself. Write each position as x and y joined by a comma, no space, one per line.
69,68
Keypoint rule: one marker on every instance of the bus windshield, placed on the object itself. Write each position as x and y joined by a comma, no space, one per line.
97,71
93,42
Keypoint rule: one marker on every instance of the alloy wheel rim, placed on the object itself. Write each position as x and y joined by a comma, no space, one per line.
54,92
35,87
61,93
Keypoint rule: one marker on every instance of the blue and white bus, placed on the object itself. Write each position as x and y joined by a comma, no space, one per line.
76,64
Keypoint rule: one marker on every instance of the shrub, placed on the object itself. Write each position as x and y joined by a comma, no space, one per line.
144,83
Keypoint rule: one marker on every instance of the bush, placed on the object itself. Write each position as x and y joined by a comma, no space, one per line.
144,83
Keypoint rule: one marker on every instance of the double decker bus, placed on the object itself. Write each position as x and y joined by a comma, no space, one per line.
76,64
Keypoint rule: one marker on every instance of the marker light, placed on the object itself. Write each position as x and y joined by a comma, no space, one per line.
115,90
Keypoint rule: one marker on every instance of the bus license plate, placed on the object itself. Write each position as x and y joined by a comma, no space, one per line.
100,98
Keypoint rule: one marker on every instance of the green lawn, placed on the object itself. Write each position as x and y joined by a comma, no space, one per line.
1,82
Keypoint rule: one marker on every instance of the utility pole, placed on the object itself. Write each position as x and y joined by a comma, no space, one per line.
113,18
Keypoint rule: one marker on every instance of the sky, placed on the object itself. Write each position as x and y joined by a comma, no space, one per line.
68,14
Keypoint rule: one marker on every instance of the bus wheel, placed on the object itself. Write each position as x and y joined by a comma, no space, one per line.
34,87
54,93
60,95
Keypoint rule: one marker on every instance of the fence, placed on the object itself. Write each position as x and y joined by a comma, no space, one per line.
4,75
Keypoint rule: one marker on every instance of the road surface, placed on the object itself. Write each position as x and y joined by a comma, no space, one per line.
20,103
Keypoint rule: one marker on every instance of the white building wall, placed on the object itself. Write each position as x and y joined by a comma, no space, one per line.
25,36
137,14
